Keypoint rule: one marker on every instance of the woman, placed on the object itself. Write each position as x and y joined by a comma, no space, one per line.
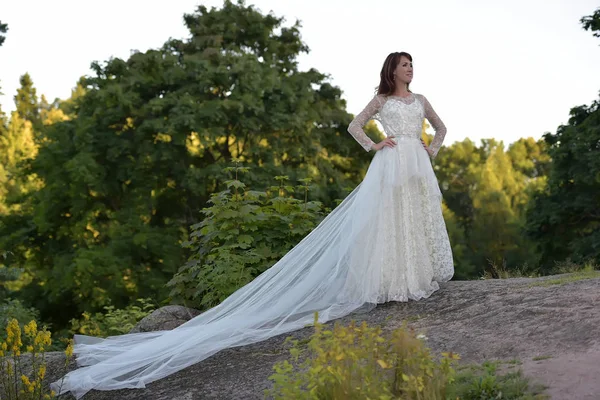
386,241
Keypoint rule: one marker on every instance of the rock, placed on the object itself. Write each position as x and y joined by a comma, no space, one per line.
165,318
503,319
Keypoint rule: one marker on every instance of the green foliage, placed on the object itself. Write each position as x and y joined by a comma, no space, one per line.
590,23
18,382
483,382
14,309
498,202
10,307
17,147
463,268
3,30
113,321
244,232
486,387
7,274
563,219
457,168
486,191
358,362
140,148
500,271
26,101
574,274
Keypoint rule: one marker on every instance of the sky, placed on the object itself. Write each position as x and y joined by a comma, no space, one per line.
491,69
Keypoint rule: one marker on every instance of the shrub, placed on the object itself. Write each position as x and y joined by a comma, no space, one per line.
18,382
244,232
482,382
357,362
112,322
14,309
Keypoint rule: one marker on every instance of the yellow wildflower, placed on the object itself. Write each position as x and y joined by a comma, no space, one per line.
13,332
69,349
30,329
42,372
25,380
42,340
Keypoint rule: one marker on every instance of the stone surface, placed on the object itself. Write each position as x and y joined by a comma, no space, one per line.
481,320
165,318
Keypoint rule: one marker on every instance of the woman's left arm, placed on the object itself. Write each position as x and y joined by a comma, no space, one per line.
438,127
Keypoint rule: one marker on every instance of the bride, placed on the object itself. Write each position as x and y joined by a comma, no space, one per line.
387,241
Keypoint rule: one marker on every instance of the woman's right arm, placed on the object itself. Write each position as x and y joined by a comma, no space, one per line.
356,126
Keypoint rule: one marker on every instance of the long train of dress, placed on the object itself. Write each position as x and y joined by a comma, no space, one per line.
386,241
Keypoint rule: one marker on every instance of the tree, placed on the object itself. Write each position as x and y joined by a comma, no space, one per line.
3,30
17,147
129,170
26,101
530,162
18,144
243,233
496,237
463,266
3,122
486,191
458,168
564,219
592,23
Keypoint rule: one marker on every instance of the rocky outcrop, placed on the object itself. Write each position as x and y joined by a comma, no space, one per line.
165,318
551,324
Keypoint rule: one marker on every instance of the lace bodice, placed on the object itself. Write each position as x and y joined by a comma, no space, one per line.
399,116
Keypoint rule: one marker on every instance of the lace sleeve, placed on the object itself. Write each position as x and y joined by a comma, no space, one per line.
356,126
438,127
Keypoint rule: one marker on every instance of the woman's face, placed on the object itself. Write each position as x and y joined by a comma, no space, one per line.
404,71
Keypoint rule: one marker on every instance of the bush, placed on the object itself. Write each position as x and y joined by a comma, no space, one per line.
14,309
18,382
357,362
112,322
244,232
481,382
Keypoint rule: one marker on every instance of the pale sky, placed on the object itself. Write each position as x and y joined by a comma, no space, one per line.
504,69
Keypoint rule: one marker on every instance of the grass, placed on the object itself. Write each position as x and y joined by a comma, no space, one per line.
483,381
588,272
413,318
573,273
540,358
513,362
578,271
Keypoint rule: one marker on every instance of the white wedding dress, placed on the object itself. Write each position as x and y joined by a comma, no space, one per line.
387,241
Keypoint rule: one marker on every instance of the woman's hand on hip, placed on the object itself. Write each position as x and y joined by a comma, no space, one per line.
429,151
389,142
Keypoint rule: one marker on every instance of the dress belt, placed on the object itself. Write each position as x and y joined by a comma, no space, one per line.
404,137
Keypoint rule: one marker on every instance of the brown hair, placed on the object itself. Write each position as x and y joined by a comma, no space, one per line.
387,85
